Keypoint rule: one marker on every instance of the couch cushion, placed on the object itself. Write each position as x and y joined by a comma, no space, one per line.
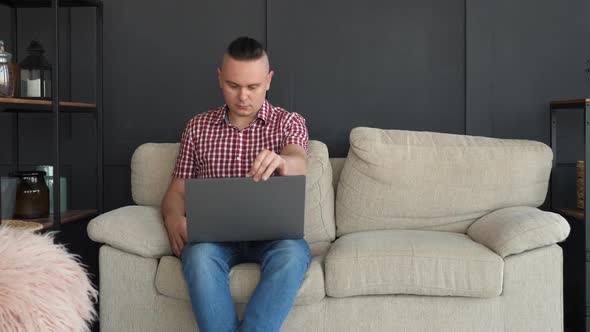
319,195
412,262
514,230
394,179
135,229
152,165
243,280
151,169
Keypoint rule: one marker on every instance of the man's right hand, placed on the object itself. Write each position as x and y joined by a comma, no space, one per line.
176,227
173,212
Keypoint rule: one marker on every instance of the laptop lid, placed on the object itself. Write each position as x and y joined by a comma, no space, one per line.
239,209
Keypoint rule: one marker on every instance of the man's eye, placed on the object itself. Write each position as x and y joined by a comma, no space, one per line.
252,88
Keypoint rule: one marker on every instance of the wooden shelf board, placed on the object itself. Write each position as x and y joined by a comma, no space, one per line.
66,217
575,213
570,103
24,105
43,102
47,3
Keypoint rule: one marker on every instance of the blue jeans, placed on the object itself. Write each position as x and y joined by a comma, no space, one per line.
206,267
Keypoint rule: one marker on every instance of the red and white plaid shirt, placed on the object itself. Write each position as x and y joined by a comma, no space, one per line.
211,147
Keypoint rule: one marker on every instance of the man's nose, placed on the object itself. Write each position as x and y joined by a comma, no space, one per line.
243,94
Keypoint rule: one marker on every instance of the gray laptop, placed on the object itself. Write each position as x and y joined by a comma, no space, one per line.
239,209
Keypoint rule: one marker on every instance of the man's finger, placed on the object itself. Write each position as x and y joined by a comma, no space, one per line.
256,164
179,242
178,247
173,245
263,166
259,158
270,169
183,235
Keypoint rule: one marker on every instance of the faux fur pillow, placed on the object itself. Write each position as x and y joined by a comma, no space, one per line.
42,286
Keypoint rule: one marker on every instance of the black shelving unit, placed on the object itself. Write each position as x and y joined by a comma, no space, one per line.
18,106
578,218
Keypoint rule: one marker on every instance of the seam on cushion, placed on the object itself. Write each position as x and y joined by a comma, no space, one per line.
453,223
320,202
372,286
171,296
523,145
425,257
371,218
505,244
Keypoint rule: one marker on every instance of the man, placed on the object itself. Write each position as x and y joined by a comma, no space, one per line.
247,137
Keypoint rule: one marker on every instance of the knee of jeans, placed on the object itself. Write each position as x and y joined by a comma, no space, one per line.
198,257
298,248
292,254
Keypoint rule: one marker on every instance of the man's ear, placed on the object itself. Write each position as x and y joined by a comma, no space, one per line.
219,77
268,79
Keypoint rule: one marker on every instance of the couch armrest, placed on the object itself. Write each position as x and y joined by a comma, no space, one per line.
516,229
134,229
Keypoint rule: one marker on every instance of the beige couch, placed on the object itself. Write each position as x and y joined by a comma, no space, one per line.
413,231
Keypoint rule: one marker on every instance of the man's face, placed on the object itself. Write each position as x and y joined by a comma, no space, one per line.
244,84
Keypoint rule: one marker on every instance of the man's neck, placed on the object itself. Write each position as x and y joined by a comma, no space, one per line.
241,122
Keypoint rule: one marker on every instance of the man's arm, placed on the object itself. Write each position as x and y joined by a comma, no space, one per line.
173,212
291,161
295,158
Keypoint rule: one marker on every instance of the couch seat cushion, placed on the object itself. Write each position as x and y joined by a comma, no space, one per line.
243,280
412,262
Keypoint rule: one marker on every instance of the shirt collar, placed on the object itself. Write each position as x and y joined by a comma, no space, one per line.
262,114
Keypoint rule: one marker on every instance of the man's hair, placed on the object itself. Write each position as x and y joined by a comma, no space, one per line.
245,48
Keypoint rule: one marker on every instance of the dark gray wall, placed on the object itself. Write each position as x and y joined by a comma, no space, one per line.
462,66
386,64
520,56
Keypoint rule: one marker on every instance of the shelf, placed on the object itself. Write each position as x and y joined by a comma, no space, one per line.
575,213
66,217
22,105
571,103
47,3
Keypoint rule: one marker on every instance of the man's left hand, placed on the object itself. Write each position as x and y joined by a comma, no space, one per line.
265,164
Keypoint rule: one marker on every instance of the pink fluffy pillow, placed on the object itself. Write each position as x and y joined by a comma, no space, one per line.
42,286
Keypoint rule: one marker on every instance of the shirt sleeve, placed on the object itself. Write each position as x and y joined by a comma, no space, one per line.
296,132
185,161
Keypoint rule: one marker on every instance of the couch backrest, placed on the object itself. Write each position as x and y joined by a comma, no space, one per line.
152,165
394,179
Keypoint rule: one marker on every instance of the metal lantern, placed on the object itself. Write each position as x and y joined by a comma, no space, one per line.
35,73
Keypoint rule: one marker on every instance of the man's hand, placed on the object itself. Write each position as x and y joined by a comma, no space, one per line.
176,227
173,213
265,164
